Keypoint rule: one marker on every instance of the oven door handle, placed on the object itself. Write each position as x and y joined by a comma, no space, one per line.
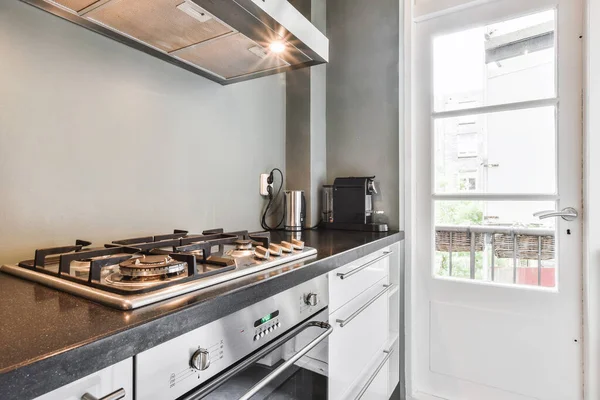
205,390
288,363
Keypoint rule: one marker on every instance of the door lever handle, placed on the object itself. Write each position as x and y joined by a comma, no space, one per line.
568,214
119,394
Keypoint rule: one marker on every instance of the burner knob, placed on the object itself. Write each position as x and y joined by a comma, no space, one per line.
286,247
311,299
298,244
201,359
275,249
261,253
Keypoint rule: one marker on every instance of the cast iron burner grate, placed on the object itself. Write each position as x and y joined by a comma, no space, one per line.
195,251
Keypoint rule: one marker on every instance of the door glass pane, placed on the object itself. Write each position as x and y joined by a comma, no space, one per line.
476,240
506,62
509,152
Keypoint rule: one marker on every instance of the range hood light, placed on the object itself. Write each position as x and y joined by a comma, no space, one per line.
277,47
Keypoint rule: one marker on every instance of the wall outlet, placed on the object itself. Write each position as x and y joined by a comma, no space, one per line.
264,185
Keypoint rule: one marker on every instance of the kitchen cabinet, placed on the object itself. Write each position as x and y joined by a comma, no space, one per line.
360,332
117,377
364,359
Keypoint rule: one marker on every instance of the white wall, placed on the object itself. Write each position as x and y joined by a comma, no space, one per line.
591,208
427,8
100,141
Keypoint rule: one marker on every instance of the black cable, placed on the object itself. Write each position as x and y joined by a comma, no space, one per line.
314,227
263,221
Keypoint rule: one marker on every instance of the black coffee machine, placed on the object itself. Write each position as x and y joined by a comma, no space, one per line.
353,205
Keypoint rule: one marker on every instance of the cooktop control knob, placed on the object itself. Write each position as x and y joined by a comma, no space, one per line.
311,299
298,244
201,359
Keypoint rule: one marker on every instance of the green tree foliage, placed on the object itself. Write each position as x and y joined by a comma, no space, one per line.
459,213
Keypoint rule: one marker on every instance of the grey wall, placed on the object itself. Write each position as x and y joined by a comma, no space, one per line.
98,140
363,96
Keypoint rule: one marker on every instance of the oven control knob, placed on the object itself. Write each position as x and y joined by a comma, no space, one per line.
201,359
311,299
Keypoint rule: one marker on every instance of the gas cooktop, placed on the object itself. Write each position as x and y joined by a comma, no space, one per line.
132,273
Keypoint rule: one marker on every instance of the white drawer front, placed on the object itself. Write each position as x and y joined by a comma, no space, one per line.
353,346
98,384
347,282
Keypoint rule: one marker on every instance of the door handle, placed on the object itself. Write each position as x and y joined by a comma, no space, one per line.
119,394
568,214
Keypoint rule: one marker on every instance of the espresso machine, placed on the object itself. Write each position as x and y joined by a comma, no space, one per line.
350,205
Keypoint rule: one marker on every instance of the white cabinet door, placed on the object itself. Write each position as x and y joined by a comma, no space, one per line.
98,384
353,345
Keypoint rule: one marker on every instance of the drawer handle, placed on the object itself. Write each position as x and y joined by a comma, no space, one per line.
119,394
387,353
344,322
355,270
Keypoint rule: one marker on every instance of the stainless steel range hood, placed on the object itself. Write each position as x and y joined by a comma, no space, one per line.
227,41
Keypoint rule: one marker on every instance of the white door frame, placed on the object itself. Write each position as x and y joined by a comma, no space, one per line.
591,199
591,194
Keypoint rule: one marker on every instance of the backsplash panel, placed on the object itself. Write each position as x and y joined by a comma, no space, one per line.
99,141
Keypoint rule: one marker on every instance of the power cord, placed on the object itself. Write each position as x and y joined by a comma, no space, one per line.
263,220
314,227
274,209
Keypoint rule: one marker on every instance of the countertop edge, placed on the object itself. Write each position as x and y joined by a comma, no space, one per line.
89,357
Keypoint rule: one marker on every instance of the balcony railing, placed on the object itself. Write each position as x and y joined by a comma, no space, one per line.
499,242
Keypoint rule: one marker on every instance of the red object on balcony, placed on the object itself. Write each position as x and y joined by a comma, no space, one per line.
529,276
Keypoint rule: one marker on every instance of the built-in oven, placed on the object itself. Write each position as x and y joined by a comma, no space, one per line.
274,349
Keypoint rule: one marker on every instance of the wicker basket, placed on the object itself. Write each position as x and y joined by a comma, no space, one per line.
461,241
527,246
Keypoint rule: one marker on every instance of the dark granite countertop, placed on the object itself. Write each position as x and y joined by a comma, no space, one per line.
49,338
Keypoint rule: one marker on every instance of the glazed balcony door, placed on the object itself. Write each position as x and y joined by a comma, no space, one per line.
498,132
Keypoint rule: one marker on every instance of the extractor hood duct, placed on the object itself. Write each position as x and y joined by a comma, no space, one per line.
227,41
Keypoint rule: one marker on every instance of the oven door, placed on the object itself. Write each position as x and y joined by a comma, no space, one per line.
293,366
